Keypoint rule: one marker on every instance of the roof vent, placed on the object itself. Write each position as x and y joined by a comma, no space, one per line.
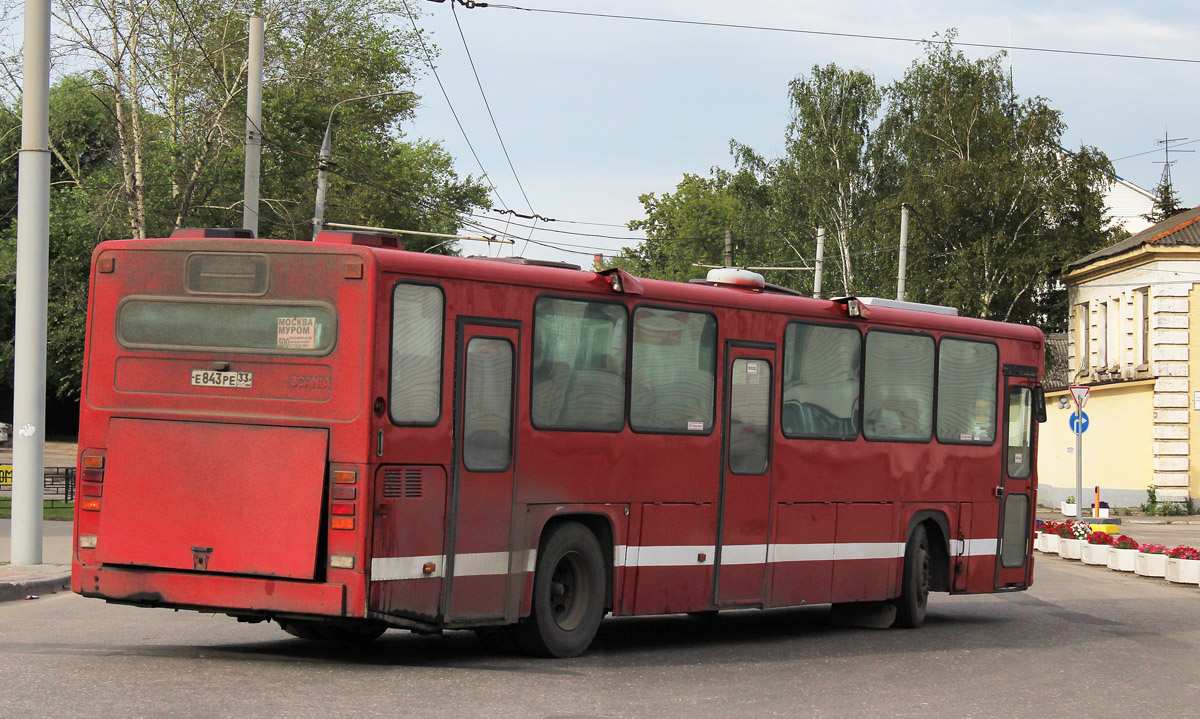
735,277
366,239
212,233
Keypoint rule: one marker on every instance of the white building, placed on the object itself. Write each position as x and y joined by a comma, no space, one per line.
1131,314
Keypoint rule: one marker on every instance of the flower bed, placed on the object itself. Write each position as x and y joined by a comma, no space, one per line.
1096,549
1122,554
1183,565
1151,561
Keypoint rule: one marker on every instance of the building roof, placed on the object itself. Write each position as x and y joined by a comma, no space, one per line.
1058,375
1180,229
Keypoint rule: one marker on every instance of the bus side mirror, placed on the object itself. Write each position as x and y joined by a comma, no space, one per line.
1039,403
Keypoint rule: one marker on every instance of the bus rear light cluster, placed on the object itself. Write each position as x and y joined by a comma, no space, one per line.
341,513
91,488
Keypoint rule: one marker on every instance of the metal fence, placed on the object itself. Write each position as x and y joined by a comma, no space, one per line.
58,487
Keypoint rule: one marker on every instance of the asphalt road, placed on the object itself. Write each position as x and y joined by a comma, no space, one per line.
1083,637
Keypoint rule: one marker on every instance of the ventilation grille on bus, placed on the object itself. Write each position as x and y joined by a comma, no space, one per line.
402,482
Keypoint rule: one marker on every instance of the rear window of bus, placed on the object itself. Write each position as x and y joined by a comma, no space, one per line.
286,328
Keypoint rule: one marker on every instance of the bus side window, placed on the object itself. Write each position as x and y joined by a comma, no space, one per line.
966,402
821,381
898,386
418,319
578,373
673,370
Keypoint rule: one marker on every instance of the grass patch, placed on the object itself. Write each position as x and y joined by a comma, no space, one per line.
52,509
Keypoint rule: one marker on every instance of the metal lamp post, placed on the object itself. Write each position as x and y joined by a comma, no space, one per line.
325,158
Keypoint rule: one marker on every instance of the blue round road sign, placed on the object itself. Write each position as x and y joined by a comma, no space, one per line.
1079,426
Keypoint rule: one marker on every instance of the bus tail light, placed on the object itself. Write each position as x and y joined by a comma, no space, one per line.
341,513
91,475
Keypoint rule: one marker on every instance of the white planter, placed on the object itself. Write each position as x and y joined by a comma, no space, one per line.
1049,543
1068,509
1150,565
1101,514
1183,571
1095,554
1071,548
1122,560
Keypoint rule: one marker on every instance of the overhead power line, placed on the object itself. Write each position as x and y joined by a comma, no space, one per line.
488,105
830,33
433,69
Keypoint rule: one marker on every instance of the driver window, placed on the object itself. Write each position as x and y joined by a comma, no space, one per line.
821,381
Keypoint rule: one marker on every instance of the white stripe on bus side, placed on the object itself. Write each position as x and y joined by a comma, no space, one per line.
496,563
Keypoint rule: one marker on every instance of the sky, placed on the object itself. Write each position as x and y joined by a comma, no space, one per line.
594,112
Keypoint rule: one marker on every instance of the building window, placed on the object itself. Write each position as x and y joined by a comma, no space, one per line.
1082,350
1142,313
1116,334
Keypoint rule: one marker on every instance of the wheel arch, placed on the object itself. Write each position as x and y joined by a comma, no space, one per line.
600,525
937,529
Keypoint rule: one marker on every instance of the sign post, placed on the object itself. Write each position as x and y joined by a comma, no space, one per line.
1080,395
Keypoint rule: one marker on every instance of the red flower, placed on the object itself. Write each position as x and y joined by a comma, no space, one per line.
1184,552
1100,538
1126,542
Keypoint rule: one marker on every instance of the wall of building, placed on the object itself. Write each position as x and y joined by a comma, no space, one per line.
1117,446
1132,327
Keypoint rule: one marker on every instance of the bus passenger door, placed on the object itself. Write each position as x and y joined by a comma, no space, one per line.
1017,476
481,486
745,498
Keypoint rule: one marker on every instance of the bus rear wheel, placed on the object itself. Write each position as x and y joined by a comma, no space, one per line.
914,589
568,595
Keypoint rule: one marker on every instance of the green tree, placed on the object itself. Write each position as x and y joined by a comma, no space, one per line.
822,179
1166,199
150,137
1000,206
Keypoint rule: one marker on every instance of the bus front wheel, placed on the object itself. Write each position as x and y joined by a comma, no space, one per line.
568,595
914,589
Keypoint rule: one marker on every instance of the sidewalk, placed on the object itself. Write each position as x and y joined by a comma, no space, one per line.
18,582
33,581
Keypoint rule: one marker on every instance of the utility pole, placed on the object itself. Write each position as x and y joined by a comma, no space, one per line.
325,158
728,248
820,263
33,262
253,124
903,251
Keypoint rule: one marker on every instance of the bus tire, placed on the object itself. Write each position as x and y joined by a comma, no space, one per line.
914,587
568,595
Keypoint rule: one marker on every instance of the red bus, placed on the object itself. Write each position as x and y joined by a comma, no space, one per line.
342,436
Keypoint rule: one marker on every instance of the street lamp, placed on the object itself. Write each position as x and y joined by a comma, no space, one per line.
326,157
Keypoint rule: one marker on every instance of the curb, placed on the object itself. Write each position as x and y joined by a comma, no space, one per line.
12,591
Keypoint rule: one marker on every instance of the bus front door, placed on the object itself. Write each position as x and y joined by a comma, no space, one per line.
478,531
1016,479
745,497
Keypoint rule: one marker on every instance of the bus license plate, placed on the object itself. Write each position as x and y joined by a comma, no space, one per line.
209,378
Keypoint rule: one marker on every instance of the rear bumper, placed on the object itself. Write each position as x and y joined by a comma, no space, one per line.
185,590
